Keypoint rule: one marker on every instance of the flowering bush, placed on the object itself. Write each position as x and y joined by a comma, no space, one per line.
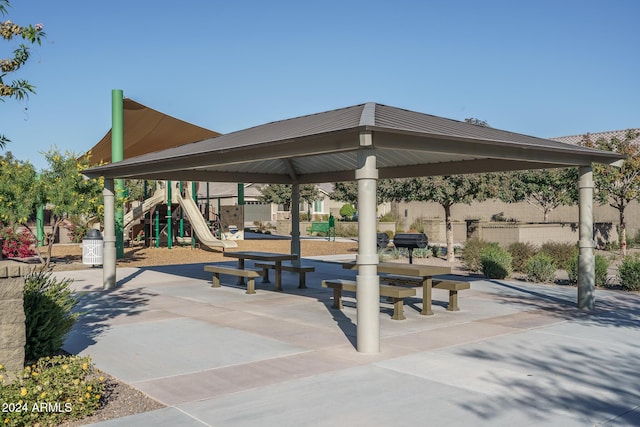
51,391
16,244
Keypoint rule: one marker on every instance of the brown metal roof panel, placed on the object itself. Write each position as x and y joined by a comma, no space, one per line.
396,118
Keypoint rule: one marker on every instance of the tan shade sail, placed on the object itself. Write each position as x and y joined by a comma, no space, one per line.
147,130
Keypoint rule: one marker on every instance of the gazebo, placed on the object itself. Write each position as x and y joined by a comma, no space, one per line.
362,143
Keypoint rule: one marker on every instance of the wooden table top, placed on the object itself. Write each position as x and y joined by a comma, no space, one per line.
418,270
261,256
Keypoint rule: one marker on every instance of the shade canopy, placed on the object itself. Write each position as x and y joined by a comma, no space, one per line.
363,143
147,130
323,147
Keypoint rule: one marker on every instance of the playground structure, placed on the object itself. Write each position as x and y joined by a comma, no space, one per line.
161,218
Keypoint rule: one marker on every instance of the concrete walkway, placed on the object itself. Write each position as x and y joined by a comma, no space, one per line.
517,354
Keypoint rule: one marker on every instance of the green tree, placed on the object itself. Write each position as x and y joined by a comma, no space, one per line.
618,186
546,189
61,187
18,89
309,193
348,191
67,193
477,122
446,191
281,194
20,192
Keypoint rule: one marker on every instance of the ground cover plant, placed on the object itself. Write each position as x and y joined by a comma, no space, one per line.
50,391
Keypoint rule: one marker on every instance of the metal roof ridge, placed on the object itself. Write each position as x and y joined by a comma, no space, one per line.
368,116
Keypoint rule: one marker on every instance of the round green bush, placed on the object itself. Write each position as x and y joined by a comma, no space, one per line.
521,252
471,253
629,272
347,210
540,268
602,268
496,262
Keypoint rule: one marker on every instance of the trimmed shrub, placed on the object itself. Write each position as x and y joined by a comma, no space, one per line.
521,252
347,210
48,305
540,268
471,253
602,269
560,252
629,272
52,391
496,262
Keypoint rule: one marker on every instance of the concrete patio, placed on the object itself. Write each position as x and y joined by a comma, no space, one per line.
517,354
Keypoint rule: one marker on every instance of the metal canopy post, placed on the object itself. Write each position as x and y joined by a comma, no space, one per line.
109,239
586,260
295,222
367,280
117,155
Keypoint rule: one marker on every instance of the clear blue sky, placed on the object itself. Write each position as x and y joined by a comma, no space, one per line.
545,67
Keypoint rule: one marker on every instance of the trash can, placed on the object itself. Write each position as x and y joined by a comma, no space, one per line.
92,248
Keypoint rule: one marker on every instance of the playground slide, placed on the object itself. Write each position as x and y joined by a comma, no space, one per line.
200,227
142,209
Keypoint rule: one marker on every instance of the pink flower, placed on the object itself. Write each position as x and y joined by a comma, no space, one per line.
39,27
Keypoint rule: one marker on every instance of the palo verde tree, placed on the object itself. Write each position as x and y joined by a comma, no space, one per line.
446,191
18,89
618,186
545,189
67,192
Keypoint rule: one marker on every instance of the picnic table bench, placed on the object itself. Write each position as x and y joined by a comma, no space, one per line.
249,273
396,293
302,271
453,286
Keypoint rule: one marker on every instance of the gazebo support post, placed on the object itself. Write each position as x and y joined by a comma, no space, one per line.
367,280
109,238
586,260
295,222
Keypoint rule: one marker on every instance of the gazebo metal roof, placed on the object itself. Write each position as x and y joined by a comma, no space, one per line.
323,148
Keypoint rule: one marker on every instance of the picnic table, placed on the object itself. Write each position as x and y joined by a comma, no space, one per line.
276,258
423,274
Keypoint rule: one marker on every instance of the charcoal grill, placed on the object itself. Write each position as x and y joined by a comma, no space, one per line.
410,241
382,240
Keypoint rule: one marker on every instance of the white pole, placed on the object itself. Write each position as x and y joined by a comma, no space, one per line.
109,238
295,222
367,280
586,260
